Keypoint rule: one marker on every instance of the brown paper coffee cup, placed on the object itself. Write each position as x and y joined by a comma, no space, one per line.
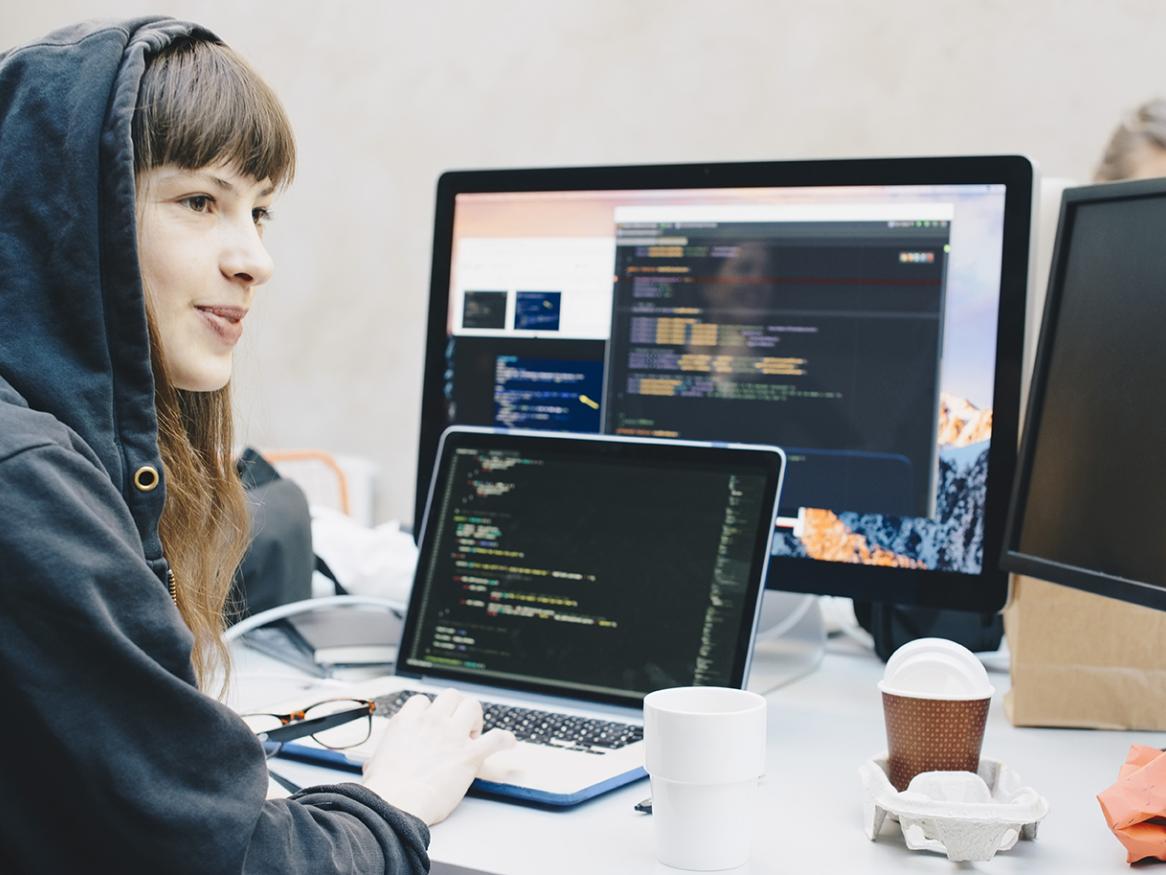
932,735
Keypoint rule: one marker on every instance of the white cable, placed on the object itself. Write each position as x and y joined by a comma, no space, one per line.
281,612
302,679
859,635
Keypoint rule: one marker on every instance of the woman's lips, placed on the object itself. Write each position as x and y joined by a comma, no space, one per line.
226,322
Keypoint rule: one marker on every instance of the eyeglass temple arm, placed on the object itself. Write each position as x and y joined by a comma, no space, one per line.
301,728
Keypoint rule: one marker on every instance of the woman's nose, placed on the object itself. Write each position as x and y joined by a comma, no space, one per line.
245,258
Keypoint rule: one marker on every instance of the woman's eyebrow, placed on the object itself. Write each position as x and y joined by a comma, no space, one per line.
222,184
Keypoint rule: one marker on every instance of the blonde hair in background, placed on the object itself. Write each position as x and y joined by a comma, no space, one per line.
1144,128
200,104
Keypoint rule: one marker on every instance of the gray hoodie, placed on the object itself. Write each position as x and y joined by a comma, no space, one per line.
110,758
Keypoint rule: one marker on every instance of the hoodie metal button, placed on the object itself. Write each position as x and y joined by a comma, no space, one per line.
146,478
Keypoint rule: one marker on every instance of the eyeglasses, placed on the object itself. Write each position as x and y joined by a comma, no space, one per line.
334,723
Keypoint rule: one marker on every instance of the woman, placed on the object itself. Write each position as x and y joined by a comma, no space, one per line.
144,156
1137,147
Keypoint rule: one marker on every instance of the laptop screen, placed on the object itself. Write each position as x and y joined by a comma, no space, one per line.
597,568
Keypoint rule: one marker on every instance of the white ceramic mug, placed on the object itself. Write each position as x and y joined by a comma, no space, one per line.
704,749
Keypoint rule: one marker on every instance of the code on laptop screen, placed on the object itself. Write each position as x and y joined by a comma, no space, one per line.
608,575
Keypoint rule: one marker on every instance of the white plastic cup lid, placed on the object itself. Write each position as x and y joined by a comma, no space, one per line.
935,668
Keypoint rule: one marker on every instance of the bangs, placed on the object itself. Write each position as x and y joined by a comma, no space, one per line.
200,104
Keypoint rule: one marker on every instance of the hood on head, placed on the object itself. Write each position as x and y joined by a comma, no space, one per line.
73,336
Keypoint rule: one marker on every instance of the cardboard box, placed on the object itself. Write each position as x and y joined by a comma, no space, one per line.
1082,660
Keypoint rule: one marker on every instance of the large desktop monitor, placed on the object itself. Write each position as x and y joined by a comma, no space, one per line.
865,315
1089,506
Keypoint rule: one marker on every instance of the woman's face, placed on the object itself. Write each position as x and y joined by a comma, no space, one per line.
1147,161
201,253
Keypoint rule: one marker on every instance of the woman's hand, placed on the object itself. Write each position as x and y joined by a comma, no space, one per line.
430,753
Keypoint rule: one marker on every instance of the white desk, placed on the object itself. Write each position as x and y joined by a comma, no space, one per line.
810,820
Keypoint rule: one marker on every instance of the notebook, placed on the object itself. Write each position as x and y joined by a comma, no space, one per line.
561,578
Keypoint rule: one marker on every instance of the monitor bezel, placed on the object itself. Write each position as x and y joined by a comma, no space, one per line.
1012,557
983,592
765,460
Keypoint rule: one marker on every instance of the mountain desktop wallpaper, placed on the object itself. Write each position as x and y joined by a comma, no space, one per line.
953,541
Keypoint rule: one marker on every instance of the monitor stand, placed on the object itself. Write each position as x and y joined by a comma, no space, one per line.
790,642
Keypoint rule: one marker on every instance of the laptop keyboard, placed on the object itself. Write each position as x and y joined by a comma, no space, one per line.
567,731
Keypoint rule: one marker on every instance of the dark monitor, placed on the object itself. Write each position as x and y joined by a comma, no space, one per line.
1089,503
864,315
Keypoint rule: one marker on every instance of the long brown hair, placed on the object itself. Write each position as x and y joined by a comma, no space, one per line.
200,104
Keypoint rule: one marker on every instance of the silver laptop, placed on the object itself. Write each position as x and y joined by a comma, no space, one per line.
561,578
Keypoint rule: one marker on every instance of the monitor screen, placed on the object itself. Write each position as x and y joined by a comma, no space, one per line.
854,313
1091,498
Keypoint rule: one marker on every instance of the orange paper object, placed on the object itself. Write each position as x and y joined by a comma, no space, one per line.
1135,807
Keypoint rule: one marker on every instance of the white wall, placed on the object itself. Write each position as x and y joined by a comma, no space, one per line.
386,95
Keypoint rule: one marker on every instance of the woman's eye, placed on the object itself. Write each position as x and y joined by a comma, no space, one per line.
198,202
